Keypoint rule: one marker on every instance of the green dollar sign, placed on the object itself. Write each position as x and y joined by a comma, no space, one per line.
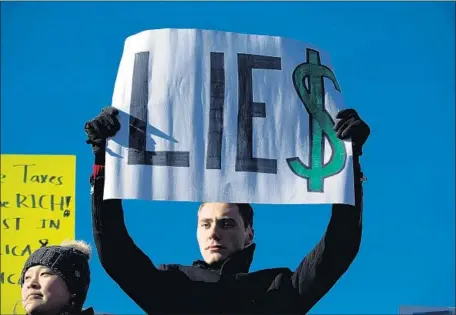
321,123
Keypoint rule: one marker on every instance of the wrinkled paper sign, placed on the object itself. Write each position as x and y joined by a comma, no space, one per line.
228,117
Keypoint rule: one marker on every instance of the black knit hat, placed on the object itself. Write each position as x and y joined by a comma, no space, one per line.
70,262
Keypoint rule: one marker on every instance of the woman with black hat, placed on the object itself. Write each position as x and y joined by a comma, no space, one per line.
55,280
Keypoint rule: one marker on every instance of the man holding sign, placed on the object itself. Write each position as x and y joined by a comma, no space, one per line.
222,282
194,90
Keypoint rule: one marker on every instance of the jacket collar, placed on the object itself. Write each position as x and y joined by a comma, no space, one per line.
239,262
88,311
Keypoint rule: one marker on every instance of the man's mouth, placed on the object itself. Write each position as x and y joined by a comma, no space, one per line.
215,247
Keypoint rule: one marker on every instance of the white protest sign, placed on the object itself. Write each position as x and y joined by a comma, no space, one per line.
219,116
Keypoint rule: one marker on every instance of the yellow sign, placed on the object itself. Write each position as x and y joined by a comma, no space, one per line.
37,203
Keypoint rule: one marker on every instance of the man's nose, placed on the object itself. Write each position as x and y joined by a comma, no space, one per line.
214,232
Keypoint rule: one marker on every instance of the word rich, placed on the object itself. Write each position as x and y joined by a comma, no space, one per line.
312,98
51,202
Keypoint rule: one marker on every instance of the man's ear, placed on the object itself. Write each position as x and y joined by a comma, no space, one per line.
250,234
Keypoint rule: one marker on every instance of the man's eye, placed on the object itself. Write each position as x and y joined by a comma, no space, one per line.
205,225
228,224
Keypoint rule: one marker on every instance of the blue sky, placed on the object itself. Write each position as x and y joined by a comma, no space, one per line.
396,65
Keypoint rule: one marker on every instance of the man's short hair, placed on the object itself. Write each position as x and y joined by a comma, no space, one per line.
245,210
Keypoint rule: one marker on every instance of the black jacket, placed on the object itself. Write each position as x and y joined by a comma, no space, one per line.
88,311
228,288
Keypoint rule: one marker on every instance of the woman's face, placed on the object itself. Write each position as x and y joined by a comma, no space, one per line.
43,291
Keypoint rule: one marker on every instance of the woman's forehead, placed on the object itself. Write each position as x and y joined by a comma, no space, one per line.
38,268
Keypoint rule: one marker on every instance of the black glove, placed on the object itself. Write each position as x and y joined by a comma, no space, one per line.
103,126
352,126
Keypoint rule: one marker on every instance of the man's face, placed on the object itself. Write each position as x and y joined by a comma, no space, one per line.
43,291
221,231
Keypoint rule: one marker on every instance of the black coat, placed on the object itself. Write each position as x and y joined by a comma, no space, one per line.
88,311
227,288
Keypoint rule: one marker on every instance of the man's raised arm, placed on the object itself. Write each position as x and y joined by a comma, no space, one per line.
333,255
123,261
